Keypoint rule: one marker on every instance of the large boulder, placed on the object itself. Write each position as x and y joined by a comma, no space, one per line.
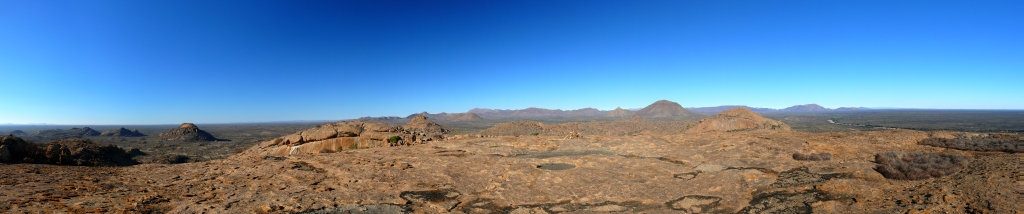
187,132
737,119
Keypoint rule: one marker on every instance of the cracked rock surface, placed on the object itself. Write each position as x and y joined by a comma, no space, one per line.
723,172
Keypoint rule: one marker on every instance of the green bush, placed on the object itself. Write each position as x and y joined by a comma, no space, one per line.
394,139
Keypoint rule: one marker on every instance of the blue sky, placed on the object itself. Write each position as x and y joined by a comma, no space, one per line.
163,62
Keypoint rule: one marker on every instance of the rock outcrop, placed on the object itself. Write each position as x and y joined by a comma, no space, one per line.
351,135
664,109
122,132
68,151
187,132
737,119
619,113
421,124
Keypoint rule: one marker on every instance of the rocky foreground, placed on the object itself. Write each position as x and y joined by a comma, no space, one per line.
736,162
746,172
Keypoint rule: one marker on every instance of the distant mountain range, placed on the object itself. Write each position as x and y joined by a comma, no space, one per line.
796,108
662,109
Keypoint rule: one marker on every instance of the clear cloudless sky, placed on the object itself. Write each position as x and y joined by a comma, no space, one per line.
173,61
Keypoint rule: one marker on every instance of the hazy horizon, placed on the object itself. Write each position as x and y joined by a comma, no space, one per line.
167,62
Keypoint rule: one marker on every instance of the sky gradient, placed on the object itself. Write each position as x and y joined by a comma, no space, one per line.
165,62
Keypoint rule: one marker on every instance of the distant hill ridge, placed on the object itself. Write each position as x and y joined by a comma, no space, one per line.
662,109
796,108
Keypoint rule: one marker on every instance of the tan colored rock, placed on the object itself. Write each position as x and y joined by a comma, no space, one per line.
420,123
607,208
292,139
633,174
319,133
737,119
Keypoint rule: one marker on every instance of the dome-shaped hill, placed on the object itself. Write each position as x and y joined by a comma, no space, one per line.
664,109
737,119
466,117
806,108
122,132
515,128
187,132
619,113
420,123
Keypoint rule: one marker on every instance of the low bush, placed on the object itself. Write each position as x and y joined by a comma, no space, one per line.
824,156
918,166
997,142
394,139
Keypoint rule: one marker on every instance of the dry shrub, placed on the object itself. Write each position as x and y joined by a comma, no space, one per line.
824,156
917,166
995,142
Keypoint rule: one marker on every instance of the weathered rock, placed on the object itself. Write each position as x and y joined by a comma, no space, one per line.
319,133
737,119
421,124
5,154
634,174
68,151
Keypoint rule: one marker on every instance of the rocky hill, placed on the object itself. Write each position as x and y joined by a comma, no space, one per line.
619,113
187,132
465,117
421,124
53,134
805,108
737,119
122,132
664,109
67,151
